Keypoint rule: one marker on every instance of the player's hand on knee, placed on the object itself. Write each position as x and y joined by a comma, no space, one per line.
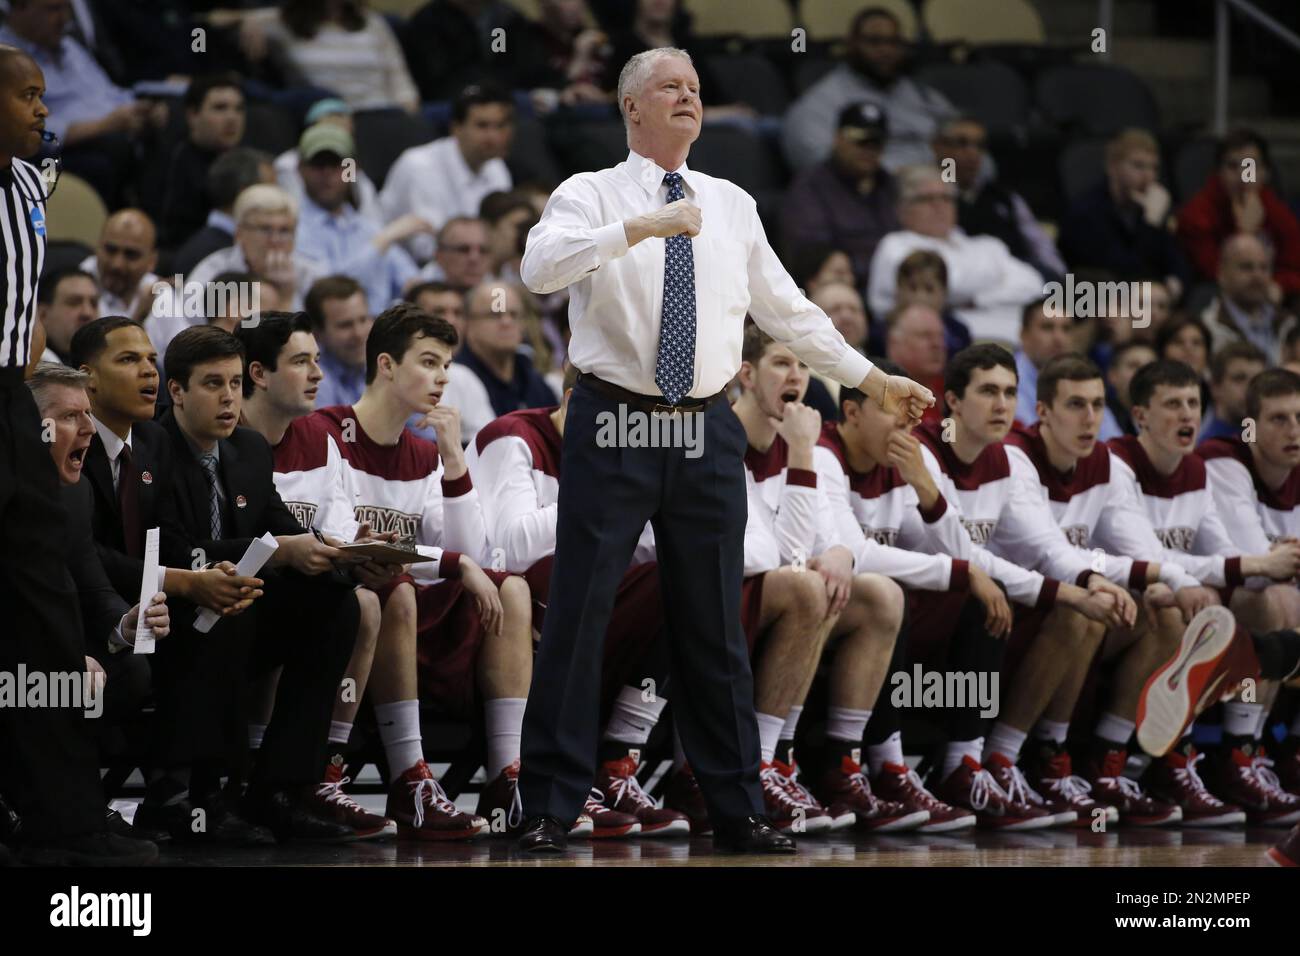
486,597
1191,601
998,616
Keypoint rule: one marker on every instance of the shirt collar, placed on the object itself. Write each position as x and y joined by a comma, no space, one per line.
112,444
650,176
220,220
199,452
337,368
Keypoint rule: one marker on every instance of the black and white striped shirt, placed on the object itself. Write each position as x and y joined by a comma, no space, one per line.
22,252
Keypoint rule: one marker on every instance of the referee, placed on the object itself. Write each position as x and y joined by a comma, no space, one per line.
48,765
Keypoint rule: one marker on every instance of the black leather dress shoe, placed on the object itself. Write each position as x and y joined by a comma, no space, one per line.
90,849
212,823
750,835
290,818
116,823
543,834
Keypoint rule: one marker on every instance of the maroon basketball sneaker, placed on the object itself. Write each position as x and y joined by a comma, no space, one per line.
1287,853
788,813
682,793
499,804
1174,778
1105,774
1011,780
330,802
812,807
422,811
623,792
846,791
1193,677
607,823
1235,777
899,784
1049,766
972,787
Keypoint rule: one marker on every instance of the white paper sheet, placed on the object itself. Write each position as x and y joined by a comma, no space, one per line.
148,588
257,554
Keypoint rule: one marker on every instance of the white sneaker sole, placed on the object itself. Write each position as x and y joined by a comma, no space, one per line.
1171,694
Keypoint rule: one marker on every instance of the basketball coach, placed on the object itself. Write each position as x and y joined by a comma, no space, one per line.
664,263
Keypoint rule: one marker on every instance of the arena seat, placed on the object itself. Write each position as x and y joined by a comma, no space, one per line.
988,21
269,127
748,78
829,19
809,70
75,211
1191,165
584,146
738,155
382,135
1081,165
988,91
64,254
530,154
1095,100
401,8
759,18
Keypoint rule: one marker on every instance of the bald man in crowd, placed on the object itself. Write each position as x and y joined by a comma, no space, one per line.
123,264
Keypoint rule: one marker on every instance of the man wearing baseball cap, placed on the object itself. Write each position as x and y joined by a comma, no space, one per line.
365,195
848,199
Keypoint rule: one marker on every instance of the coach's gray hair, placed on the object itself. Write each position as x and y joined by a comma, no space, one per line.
910,179
51,375
636,71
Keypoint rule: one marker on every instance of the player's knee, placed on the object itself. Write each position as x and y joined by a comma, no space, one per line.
882,596
810,594
516,600
368,623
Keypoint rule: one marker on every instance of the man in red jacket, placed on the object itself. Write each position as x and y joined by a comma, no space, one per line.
1236,199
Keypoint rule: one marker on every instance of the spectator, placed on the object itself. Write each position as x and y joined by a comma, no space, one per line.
365,195
464,391
814,264
65,302
335,235
1119,225
98,121
123,264
875,71
915,342
452,43
923,278
230,174
463,254
227,311
214,116
843,303
1044,334
494,335
1231,370
506,215
451,176
987,207
337,46
1245,309
1188,340
577,56
987,286
846,200
1237,200
341,320
1124,363
1291,349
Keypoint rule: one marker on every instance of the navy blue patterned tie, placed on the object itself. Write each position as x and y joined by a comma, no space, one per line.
675,366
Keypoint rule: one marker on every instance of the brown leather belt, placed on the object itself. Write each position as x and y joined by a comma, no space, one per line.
650,404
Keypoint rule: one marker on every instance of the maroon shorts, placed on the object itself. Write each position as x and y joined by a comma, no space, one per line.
932,619
387,590
449,634
635,624
751,610
1026,624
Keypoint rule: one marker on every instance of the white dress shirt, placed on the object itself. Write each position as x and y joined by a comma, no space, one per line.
112,447
616,293
434,182
110,304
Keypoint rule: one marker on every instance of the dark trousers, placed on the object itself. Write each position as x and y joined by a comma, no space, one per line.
51,773
697,506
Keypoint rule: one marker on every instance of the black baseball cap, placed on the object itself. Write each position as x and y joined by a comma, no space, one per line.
863,121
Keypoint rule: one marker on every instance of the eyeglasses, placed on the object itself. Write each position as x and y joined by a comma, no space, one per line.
466,248
270,232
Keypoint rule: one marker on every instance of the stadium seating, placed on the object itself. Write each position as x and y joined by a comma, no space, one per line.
75,211
382,135
1091,99
1081,165
749,78
829,19
761,18
988,91
989,21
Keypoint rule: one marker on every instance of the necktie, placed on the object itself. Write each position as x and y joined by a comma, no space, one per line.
675,365
128,502
209,463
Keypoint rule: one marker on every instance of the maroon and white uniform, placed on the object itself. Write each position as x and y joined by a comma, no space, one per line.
876,516
1257,515
1181,509
515,460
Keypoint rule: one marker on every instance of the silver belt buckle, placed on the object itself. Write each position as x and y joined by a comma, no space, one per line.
665,411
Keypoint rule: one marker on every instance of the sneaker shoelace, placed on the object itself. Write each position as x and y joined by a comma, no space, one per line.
1071,786
595,803
515,815
630,787
427,791
923,796
1267,778
1019,791
331,791
983,788
779,786
1189,778
802,795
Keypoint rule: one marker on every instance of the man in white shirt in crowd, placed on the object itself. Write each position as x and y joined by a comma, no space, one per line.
341,320
451,176
631,241
65,301
987,285
123,264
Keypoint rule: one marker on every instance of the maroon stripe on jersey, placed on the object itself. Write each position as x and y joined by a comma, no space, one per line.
990,465
535,427
1285,498
304,446
455,487
960,579
411,459
1232,572
1047,595
449,565
1188,476
1137,575
935,512
767,464
872,484
1061,486
802,477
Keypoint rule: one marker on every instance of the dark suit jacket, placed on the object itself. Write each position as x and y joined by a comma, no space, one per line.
151,452
101,605
253,506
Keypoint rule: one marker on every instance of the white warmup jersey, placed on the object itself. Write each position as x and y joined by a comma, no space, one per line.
788,519
1099,517
1256,514
982,497
396,488
877,517
1182,512
515,461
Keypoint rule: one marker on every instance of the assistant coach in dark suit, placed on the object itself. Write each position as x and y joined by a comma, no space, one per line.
663,264
221,496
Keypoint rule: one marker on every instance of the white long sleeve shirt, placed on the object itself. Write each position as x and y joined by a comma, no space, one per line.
787,519
1256,514
616,292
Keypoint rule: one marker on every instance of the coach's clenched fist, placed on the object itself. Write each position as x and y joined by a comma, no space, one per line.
681,216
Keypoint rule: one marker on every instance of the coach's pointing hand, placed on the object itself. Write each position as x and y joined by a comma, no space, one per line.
681,216
903,398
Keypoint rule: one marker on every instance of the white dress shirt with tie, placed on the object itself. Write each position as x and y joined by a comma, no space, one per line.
616,294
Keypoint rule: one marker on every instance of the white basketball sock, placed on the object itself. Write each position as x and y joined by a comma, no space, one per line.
340,731
1114,729
890,750
504,718
399,731
1005,740
1240,718
1057,730
846,724
633,717
958,750
769,732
